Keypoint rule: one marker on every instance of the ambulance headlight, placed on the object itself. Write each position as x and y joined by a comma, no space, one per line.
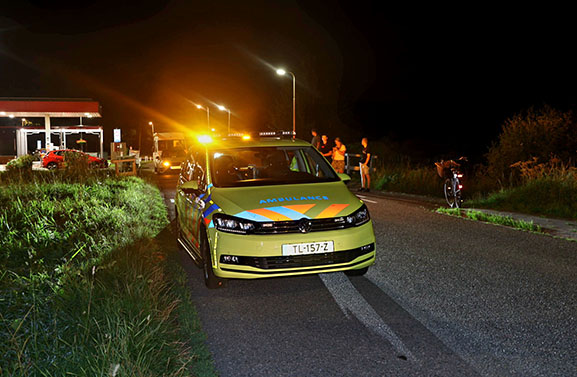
359,217
233,224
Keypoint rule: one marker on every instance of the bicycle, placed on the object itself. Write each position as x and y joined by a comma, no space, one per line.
452,187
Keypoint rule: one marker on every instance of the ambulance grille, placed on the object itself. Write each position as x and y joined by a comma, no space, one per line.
296,261
315,225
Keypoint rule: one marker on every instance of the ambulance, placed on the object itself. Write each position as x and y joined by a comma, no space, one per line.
268,205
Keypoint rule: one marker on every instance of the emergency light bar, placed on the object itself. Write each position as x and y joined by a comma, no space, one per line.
275,133
261,134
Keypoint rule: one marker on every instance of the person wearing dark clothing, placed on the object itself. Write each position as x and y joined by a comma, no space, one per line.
365,166
315,141
325,149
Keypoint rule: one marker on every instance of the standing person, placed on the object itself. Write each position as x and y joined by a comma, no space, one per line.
325,147
339,151
365,166
315,140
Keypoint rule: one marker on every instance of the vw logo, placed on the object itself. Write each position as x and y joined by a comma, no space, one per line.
305,226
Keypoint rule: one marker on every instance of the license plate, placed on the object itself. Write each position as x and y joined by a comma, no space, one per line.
308,248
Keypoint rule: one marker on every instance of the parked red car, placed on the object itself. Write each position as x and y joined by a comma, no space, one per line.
54,159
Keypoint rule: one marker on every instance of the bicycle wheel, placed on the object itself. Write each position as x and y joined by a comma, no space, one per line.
458,193
449,192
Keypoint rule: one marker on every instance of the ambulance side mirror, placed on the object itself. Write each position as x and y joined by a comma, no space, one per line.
344,177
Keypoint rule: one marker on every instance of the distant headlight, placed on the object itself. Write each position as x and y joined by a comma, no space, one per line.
166,163
359,217
233,224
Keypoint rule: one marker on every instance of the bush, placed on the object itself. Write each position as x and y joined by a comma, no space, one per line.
21,163
548,188
539,133
407,179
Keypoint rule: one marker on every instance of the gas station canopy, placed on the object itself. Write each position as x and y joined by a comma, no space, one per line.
48,108
55,108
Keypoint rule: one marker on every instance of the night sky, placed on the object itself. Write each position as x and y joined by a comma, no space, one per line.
435,80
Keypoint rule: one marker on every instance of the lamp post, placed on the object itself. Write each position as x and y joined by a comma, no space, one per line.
222,108
207,109
282,72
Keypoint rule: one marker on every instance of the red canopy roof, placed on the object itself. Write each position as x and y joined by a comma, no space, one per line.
40,107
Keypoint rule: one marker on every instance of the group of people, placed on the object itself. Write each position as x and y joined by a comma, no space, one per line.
337,154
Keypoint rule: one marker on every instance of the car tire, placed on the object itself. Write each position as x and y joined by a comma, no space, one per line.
52,166
358,272
210,279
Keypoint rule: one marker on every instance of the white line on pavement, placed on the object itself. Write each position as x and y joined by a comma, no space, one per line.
351,301
365,199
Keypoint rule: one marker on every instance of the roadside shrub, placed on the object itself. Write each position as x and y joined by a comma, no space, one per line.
407,179
553,169
535,133
21,163
548,188
76,163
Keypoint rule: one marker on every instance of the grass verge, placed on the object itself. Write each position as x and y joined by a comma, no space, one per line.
86,288
548,196
490,218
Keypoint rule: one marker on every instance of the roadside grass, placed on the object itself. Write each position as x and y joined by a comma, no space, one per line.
408,179
549,196
491,218
85,289
423,180
549,191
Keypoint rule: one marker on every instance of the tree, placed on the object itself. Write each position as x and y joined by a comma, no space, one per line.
534,133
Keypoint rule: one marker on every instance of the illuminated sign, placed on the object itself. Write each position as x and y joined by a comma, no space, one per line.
117,135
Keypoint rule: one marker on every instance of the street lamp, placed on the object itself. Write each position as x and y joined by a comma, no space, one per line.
282,72
222,108
207,115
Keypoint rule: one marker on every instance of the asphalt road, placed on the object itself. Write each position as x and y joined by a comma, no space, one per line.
446,297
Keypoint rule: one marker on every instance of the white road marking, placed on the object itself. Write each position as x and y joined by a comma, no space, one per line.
352,302
365,199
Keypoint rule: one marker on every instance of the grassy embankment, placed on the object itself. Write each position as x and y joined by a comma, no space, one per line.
85,287
548,196
423,180
538,191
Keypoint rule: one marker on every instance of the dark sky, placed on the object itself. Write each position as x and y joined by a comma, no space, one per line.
432,79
